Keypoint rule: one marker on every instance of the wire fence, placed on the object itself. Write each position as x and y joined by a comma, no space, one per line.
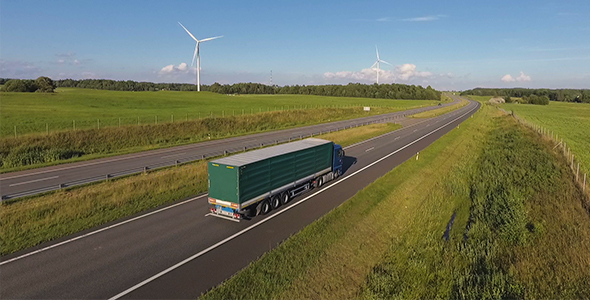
559,143
10,129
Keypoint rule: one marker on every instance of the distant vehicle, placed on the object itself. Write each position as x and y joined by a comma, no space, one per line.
256,182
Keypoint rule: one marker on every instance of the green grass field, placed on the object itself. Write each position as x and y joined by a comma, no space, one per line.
520,230
570,121
87,108
27,222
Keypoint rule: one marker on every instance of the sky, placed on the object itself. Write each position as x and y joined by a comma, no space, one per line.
450,45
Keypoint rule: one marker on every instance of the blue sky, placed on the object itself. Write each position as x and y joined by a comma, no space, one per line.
446,44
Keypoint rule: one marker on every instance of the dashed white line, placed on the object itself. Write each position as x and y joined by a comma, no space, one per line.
369,149
32,181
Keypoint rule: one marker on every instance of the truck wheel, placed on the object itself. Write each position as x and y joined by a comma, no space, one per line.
336,174
265,207
285,198
319,182
275,202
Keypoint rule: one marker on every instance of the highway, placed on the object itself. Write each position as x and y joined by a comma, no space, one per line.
34,181
178,252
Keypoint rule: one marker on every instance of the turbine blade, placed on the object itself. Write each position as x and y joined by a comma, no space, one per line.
189,33
211,38
385,62
377,50
373,66
195,54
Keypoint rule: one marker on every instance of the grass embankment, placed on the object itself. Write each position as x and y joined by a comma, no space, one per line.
28,222
519,230
570,121
440,111
39,112
42,150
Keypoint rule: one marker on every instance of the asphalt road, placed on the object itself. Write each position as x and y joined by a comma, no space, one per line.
34,181
178,252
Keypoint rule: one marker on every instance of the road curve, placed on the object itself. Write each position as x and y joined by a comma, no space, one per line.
34,181
178,252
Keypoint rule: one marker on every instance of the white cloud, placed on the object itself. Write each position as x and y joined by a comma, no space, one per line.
408,71
523,77
61,61
424,19
174,70
507,78
405,72
77,62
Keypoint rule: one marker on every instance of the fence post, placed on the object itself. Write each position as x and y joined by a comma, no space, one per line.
156,117
584,185
577,171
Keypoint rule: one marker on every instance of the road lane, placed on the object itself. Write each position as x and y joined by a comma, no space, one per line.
107,263
44,179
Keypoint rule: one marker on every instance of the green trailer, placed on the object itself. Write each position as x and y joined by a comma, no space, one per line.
258,181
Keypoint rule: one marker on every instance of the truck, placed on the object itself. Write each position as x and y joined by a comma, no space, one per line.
256,182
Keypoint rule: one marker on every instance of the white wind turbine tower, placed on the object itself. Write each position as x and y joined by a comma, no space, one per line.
379,60
196,54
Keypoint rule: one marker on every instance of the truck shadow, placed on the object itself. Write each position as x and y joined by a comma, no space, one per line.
347,162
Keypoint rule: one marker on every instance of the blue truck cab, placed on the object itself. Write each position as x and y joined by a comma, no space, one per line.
337,160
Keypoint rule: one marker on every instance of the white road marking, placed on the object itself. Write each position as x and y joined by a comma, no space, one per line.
396,138
415,130
172,155
168,270
36,180
369,149
100,230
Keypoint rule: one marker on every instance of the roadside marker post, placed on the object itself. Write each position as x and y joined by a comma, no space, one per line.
417,154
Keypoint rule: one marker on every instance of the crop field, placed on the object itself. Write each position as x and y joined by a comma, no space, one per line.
27,222
73,108
570,121
490,210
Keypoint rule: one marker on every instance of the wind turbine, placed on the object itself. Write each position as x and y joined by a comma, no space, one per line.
196,54
377,64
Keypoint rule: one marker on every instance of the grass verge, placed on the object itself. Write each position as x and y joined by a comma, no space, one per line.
38,219
440,111
517,227
60,147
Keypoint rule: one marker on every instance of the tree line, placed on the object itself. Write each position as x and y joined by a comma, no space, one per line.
564,95
386,91
40,85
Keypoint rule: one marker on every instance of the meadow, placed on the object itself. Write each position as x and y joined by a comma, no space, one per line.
570,121
489,210
30,221
70,108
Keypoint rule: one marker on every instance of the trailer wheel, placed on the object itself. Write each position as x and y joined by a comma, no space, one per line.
275,202
336,174
285,198
265,207
320,182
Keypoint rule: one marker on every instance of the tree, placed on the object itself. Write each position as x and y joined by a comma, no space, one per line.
19,85
44,85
